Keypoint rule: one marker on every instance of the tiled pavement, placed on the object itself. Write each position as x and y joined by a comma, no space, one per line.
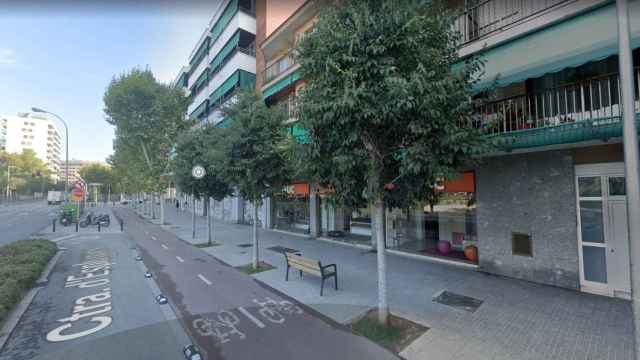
517,320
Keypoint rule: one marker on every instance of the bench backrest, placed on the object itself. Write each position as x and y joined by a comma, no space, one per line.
304,264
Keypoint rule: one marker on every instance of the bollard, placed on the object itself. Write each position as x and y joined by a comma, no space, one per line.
121,226
54,225
98,226
76,226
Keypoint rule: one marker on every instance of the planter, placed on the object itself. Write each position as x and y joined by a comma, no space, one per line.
471,252
444,247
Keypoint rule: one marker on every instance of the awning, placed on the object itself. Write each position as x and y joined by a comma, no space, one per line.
199,110
281,84
588,37
244,79
226,49
223,20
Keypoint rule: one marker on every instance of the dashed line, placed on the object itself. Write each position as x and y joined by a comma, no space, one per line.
180,259
244,311
204,279
164,246
153,238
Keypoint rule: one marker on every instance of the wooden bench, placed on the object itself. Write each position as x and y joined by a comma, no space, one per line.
313,267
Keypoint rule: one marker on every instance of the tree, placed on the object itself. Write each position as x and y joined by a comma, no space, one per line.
383,100
100,174
254,156
148,117
28,173
203,147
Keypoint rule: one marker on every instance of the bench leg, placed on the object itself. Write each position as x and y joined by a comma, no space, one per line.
335,280
286,278
321,285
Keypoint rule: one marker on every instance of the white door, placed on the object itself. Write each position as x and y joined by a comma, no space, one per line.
602,229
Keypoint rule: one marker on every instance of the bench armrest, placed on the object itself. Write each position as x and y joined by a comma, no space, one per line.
330,265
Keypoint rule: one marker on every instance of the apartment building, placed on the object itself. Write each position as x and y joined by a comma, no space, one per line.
222,62
31,132
549,206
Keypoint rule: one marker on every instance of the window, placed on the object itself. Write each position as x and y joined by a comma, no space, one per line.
521,244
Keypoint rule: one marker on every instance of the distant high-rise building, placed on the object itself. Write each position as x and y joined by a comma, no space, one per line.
27,131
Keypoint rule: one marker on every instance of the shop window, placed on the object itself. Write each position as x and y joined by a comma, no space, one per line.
521,244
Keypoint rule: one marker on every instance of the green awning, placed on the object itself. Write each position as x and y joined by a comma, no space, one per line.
228,48
301,134
247,80
183,81
281,84
199,110
202,79
224,123
224,20
202,52
586,37
241,78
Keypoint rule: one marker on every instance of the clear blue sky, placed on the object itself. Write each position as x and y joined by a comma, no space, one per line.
62,59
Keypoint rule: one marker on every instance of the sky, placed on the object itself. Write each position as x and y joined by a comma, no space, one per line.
61,55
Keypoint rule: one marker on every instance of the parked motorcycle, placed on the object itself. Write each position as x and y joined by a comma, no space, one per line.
66,217
91,219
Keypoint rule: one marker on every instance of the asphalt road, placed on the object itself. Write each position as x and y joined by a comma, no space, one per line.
20,220
111,315
230,315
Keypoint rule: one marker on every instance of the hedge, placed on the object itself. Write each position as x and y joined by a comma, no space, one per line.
21,264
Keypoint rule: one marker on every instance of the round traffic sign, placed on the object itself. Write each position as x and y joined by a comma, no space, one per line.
198,172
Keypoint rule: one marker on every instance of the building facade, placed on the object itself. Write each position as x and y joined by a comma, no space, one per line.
222,62
549,205
31,132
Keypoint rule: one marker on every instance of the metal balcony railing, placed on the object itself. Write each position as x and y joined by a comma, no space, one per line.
280,66
482,17
596,98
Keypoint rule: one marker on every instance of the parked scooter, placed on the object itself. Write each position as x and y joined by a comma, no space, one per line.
103,219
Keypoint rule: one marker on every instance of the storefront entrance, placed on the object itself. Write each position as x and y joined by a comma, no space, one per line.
603,240
292,208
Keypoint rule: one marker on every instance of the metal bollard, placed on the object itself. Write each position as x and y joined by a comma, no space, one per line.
98,226
54,225
121,226
76,226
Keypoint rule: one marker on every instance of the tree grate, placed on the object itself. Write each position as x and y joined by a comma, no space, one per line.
457,301
282,249
245,245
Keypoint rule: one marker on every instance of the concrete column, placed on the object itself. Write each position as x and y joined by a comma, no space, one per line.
267,211
237,209
314,212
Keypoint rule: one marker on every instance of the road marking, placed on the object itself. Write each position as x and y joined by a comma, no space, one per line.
244,312
63,238
153,238
146,232
164,246
206,281
180,259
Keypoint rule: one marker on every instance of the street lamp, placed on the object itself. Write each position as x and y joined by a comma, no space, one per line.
66,137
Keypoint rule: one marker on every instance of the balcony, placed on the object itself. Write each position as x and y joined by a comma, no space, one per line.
280,66
583,111
483,17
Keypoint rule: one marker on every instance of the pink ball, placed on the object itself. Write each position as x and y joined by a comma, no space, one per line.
444,247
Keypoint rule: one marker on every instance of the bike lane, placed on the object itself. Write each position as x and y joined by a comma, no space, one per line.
233,316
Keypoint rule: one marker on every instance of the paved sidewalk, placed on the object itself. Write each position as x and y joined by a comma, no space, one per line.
517,319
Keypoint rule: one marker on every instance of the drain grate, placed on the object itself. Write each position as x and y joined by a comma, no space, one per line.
245,245
282,249
457,301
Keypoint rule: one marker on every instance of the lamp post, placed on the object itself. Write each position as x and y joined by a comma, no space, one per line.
66,137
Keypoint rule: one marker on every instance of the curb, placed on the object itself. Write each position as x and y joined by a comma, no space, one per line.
16,314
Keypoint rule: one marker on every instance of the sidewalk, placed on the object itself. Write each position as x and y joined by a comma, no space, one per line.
516,320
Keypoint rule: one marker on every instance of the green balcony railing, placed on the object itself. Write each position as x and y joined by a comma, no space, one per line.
586,110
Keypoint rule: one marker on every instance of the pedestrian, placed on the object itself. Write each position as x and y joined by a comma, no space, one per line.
177,205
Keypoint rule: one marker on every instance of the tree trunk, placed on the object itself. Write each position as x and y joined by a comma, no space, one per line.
193,218
209,225
383,308
162,208
153,206
205,207
255,235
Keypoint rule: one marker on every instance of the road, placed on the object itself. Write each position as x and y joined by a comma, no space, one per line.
19,220
227,314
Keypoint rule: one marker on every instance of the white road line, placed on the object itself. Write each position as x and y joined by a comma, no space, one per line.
251,317
63,238
164,246
206,281
180,259
153,238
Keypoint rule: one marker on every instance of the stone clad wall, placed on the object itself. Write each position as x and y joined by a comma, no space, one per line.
535,194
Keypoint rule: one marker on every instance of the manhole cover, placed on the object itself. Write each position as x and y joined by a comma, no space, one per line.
457,301
282,249
245,245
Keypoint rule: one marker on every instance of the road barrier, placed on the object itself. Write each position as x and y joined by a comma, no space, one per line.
54,225
76,226
121,225
98,226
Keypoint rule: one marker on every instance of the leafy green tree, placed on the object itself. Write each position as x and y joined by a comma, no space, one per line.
100,174
254,156
386,115
148,117
203,147
28,173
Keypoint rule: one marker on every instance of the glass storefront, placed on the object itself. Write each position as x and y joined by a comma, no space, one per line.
291,208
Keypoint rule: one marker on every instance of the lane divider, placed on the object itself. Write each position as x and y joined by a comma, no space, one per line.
180,259
153,238
164,246
204,279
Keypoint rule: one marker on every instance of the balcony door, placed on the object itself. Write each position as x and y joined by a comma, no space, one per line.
603,243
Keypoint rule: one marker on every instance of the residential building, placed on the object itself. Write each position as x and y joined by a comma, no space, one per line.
32,132
549,205
3,134
222,62
74,170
